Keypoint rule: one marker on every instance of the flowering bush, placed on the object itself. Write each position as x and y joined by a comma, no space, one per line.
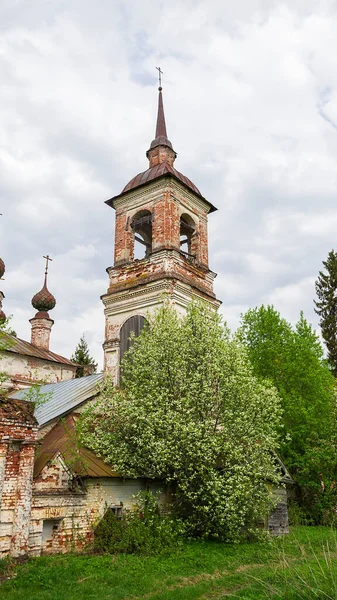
191,413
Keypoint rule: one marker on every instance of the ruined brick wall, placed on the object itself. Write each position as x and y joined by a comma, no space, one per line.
18,432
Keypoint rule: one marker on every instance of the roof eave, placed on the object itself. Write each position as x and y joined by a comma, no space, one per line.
111,201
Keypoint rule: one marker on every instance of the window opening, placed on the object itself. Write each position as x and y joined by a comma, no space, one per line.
187,231
117,510
16,445
142,227
49,528
130,330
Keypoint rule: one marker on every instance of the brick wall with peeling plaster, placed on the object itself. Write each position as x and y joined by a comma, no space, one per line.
18,434
50,513
24,371
63,520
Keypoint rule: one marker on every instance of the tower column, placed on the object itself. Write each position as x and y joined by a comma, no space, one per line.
42,323
164,213
41,328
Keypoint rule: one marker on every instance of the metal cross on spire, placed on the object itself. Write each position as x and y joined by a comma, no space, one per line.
160,73
47,263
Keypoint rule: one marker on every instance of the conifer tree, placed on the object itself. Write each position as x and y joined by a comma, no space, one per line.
82,357
326,307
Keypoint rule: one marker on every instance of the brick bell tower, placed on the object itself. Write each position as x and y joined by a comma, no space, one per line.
162,212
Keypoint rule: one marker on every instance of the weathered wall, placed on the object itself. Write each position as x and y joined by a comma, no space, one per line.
167,199
62,518
277,523
137,287
25,370
18,431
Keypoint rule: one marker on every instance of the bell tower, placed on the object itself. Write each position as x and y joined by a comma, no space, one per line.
161,247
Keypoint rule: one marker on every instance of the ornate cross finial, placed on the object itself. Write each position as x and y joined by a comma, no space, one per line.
160,73
47,263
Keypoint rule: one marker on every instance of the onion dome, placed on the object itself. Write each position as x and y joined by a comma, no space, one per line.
2,268
43,300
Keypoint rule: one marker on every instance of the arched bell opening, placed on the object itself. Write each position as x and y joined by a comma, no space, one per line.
141,226
187,235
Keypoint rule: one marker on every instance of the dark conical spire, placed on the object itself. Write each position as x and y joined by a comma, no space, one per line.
161,125
161,138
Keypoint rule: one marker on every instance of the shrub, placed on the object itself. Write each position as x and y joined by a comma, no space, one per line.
144,529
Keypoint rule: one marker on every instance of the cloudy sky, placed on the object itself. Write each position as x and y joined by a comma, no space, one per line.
250,93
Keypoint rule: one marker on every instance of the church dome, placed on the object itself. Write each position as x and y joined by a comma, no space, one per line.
43,300
2,268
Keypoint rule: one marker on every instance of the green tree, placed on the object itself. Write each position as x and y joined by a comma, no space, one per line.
293,360
192,414
82,357
326,306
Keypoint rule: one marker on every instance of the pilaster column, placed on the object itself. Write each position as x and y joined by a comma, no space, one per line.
21,519
3,455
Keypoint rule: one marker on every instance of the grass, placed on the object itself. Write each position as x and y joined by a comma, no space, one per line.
302,565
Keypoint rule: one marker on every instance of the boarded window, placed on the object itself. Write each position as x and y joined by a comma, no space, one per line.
133,325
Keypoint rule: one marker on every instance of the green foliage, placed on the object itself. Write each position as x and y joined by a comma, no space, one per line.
326,306
292,358
82,357
192,414
144,529
35,396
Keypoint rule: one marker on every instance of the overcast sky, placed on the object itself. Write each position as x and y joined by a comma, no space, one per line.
250,95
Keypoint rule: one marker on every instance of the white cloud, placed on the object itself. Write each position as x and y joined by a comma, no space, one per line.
251,107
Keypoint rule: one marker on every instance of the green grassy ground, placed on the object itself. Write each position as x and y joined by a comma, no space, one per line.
301,565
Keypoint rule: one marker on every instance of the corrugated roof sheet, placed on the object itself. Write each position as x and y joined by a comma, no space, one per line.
14,344
63,396
156,172
79,459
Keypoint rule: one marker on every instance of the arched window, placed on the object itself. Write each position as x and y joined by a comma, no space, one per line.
187,232
133,325
141,225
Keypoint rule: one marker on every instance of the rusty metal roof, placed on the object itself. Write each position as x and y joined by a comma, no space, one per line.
161,170
18,346
19,410
61,439
64,396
